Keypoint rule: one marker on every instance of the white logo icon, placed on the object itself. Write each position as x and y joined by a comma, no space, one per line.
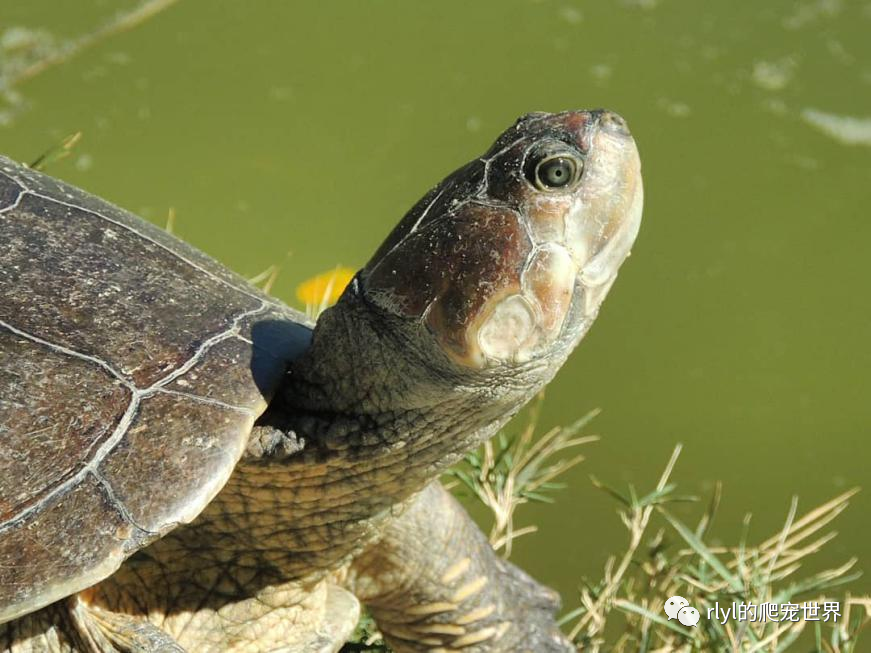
673,606
688,616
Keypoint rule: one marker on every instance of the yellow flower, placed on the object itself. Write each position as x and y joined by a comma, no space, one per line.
323,290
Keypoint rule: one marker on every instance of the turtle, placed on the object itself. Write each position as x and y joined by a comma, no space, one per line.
188,464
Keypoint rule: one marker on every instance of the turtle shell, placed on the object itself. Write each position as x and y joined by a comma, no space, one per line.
132,367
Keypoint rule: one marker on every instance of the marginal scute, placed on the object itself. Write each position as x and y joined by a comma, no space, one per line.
223,375
43,559
190,444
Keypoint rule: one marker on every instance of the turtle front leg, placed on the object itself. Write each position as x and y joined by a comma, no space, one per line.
434,583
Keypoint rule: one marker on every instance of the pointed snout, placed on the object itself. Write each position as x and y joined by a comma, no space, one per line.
612,122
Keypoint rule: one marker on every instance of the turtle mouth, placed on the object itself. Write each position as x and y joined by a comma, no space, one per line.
602,225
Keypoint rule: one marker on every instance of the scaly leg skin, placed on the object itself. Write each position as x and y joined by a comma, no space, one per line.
73,626
111,632
49,630
286,619
434,584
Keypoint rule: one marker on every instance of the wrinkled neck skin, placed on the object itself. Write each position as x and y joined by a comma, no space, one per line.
376,411
375,387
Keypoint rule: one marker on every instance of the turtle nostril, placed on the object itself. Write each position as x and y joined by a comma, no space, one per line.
614,122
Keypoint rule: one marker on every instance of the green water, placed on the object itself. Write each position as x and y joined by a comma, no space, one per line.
298,133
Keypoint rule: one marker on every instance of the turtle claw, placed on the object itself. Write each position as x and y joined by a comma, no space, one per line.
269,441
534,626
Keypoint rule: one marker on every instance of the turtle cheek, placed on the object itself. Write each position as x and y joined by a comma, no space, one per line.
502,324
549,280
483,261
517,323
486,324
508,332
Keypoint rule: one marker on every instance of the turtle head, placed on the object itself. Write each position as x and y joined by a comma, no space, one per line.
505,263
475,299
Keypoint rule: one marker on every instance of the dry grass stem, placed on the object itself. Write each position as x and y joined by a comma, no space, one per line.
514,469
63,52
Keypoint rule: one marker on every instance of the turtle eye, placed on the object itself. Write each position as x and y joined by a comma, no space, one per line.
557,171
